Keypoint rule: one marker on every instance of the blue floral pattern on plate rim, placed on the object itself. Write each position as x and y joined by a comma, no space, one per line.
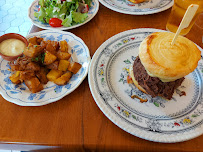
148,7
157,120
20,94
34,8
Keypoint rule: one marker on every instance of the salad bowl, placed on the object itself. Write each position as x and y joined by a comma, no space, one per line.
35,7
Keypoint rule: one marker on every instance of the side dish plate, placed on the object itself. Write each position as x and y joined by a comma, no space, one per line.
34,8
144,8
20,94
157,119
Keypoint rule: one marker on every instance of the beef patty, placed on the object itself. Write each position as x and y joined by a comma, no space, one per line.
153,85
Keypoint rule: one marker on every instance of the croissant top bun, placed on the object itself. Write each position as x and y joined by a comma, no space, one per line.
165,61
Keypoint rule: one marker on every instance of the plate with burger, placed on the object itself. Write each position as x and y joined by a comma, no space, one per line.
138,7
149,88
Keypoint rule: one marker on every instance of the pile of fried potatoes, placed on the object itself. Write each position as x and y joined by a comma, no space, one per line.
43,61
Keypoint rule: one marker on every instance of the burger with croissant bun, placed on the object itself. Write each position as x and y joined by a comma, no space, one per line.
161,67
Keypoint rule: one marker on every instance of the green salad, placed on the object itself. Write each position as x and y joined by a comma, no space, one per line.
63,12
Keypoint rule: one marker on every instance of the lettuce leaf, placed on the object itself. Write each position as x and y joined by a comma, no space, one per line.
41,3
68,21
62,12
41,15
49,11
79,17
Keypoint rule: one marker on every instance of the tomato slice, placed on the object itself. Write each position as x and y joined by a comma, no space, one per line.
55,22
38,9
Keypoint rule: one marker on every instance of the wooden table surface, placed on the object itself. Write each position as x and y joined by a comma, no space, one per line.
75,122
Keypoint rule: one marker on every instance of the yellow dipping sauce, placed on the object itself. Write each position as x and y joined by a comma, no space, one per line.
12,47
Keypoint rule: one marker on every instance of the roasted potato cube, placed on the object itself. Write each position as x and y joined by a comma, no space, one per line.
74,67
54,74
33,40
63,46
43,44
26,75
15,67
51,48
39,40
63,79
63,55
63,65
49,58
32,66
32,50
53,65
15,78
55,44
34,85
42,75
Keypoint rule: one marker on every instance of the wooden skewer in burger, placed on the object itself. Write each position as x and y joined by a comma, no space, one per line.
160,66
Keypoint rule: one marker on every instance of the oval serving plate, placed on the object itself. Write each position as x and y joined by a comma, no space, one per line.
34,8
20,94
127,7
157,119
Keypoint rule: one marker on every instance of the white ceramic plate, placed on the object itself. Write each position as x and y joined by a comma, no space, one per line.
157,120
127,7
20,94
34,8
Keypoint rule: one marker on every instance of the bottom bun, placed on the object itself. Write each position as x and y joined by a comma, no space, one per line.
135,82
